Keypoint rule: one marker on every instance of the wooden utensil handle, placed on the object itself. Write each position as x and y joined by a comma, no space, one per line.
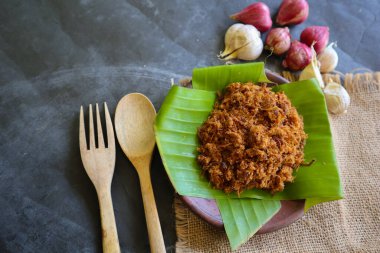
156,240
109,230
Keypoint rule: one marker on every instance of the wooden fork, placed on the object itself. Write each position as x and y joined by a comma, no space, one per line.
99,163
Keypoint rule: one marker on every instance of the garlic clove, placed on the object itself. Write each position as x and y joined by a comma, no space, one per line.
243,42
337,98
312,70
230,41
328,59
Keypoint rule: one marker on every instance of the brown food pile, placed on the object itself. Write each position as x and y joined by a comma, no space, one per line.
254,138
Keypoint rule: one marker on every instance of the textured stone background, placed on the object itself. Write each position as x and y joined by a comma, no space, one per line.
58,55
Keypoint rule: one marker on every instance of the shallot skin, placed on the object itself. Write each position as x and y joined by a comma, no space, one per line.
298,56
256,14
292,12
316,34
278,40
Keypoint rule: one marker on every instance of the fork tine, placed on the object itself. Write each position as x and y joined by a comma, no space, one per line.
99,127
91,126
110,133
82,132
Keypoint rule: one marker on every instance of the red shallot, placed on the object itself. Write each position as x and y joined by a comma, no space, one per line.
278,40
256,14
316,34
298,56
292,12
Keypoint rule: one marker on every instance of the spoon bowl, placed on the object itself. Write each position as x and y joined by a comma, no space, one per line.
134,119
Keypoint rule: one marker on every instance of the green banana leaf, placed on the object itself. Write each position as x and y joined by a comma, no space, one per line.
217,77
244,217
184,110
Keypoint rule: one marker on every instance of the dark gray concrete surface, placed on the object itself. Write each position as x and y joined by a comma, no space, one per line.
58,55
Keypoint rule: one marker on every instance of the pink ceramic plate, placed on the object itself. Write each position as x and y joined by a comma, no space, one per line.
291,210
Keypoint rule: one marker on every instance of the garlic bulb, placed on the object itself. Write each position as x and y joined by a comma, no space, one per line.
242,42
337,98
328,59
312,70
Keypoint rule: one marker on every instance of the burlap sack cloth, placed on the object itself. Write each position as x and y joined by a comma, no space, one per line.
349,225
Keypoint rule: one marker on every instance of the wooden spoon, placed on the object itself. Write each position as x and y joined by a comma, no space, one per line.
134,119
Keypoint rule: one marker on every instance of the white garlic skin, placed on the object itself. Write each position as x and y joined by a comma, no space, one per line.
243,42
328,59
312,70
252,51
337,98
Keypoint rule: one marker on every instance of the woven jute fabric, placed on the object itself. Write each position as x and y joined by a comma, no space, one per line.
348,225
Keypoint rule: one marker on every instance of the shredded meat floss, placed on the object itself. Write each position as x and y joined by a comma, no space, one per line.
253,138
